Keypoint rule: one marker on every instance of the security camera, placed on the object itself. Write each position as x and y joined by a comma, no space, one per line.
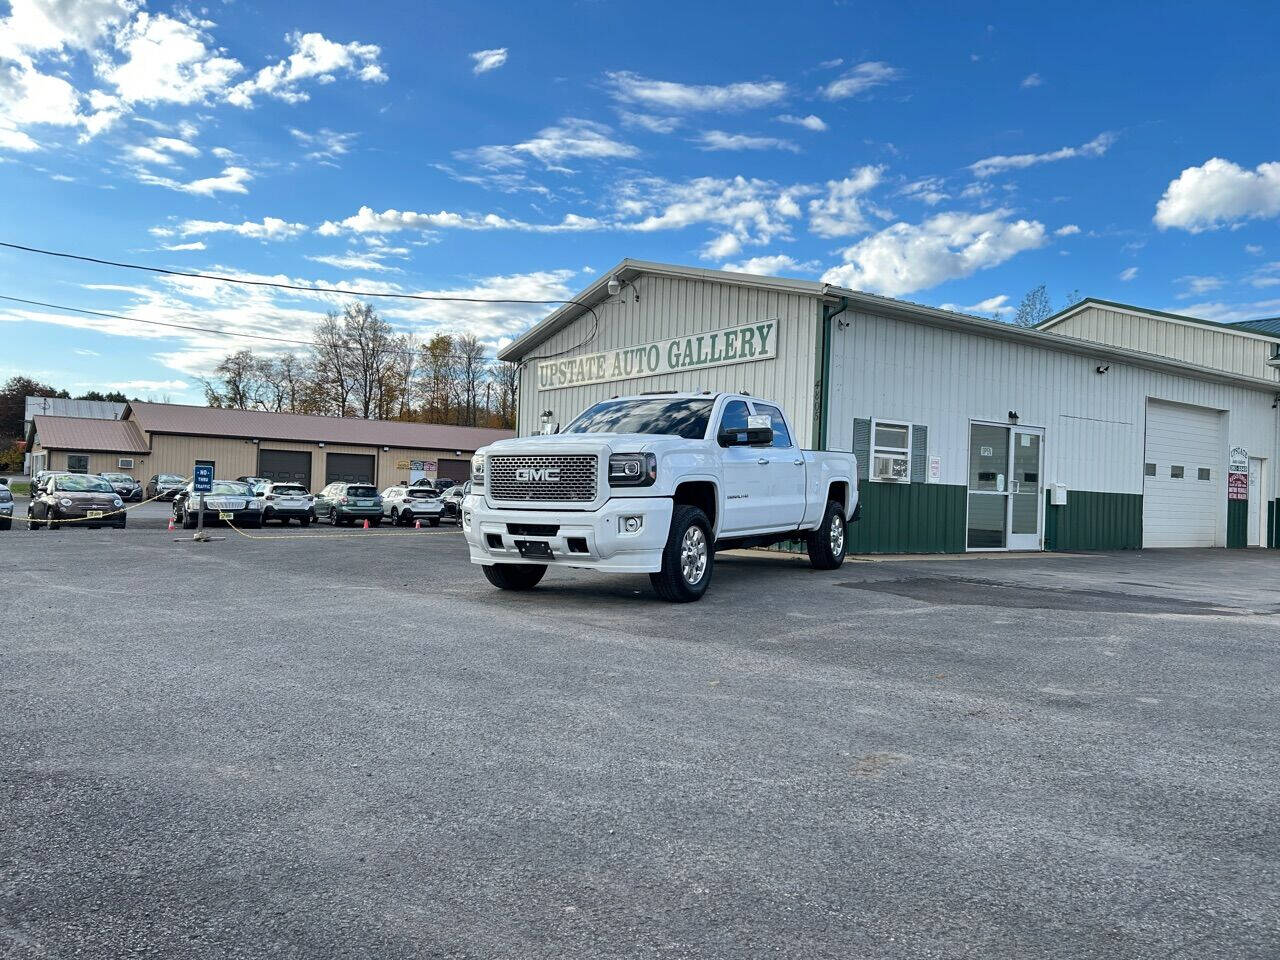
615,286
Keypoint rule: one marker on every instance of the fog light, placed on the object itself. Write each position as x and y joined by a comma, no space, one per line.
466,520
631,524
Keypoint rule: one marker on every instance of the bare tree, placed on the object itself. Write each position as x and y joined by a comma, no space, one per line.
370,349
472,364
238,382
506,381
437,369
1034,307
331,391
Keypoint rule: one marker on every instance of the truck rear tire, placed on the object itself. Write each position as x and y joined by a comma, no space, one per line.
827,543
687,559
514,576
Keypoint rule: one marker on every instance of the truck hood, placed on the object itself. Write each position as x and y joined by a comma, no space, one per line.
582,443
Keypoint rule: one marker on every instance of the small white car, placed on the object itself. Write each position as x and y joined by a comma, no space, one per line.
287,501
404,505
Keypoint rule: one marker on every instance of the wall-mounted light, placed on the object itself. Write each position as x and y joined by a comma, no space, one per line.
615,286
319,444
1013,416
255,440
1101,369
385,449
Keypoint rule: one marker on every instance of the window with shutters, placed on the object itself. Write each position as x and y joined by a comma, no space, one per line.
890,451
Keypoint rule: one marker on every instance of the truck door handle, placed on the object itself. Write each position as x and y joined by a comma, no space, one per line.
762,461
798,463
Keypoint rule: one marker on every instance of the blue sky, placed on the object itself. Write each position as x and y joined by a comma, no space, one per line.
514,149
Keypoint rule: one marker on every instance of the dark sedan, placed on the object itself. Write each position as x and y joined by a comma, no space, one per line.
126,486
164,486
76,498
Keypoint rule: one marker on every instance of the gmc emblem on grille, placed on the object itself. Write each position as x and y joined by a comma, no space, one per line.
538,474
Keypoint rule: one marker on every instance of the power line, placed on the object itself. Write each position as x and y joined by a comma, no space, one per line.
154,323
345,291
195,329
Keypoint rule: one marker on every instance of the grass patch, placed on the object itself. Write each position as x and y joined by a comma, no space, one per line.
21,488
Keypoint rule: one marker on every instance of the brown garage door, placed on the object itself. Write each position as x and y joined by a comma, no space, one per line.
453,469
292,466
348,468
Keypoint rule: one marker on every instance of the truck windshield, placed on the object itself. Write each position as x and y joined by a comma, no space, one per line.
674,416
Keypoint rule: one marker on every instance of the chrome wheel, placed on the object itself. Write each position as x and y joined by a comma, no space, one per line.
693,555
837,535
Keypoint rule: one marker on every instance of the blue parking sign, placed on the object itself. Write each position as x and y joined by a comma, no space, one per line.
202,478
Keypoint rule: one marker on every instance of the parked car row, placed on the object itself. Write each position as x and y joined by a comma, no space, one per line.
99,500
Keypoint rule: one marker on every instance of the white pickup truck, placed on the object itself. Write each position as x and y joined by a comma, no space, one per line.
655,484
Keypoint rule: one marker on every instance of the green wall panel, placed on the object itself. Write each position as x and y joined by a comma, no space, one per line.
1094,521
1237,523
1273,536
909,518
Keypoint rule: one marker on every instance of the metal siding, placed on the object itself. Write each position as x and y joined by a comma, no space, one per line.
1237,523
1094,521
909,518
1190,342
675,306
1094,424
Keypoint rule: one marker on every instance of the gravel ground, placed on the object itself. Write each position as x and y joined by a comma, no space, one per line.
322,745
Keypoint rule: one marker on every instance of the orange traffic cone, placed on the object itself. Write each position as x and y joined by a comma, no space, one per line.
417,524
171,526
366,523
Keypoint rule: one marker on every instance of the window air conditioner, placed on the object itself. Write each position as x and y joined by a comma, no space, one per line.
890,467
124,463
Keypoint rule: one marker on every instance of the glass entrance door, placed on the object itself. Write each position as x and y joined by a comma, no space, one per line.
1006,487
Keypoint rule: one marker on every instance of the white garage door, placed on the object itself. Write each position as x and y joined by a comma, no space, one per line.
1183,495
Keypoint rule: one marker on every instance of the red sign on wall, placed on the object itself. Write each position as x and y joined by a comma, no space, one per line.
1237,486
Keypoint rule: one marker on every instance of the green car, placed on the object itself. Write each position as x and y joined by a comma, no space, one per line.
349,502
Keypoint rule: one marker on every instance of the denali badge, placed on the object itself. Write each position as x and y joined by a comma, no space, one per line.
538,474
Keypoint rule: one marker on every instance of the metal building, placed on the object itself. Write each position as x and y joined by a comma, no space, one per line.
1108,427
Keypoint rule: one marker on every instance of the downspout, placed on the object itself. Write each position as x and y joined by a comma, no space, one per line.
822,377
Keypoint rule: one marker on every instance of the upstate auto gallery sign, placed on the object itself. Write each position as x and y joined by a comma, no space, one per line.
749,342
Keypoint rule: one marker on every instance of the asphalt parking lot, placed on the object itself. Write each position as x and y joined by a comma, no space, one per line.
349,745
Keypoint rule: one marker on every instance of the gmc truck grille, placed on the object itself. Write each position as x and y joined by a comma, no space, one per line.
562,479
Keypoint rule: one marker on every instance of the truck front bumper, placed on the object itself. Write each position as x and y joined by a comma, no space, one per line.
592,540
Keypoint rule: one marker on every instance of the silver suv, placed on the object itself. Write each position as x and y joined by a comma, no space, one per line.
286,501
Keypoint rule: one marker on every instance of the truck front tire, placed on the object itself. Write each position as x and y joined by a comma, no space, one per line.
687,559
827,543
514,576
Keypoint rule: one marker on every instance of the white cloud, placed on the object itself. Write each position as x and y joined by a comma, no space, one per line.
131,386
1268,275
314,58
928,190
683,97
160,151
1066,230
831,64
995,306
1128,273
719,140
998,164
647,121
167,61
842,212
1197,285
770,266
177,247
365,261
368,221
1032,80
486,60
744,211
811,122
324,144
231,180
571,138
860,79
270,228
40,25
1219,193
1253,249
907,257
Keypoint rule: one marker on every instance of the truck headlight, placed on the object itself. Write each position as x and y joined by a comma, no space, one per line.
477,468
633,469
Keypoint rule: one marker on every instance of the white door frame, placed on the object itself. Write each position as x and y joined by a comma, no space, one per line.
1257,535
1028,541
